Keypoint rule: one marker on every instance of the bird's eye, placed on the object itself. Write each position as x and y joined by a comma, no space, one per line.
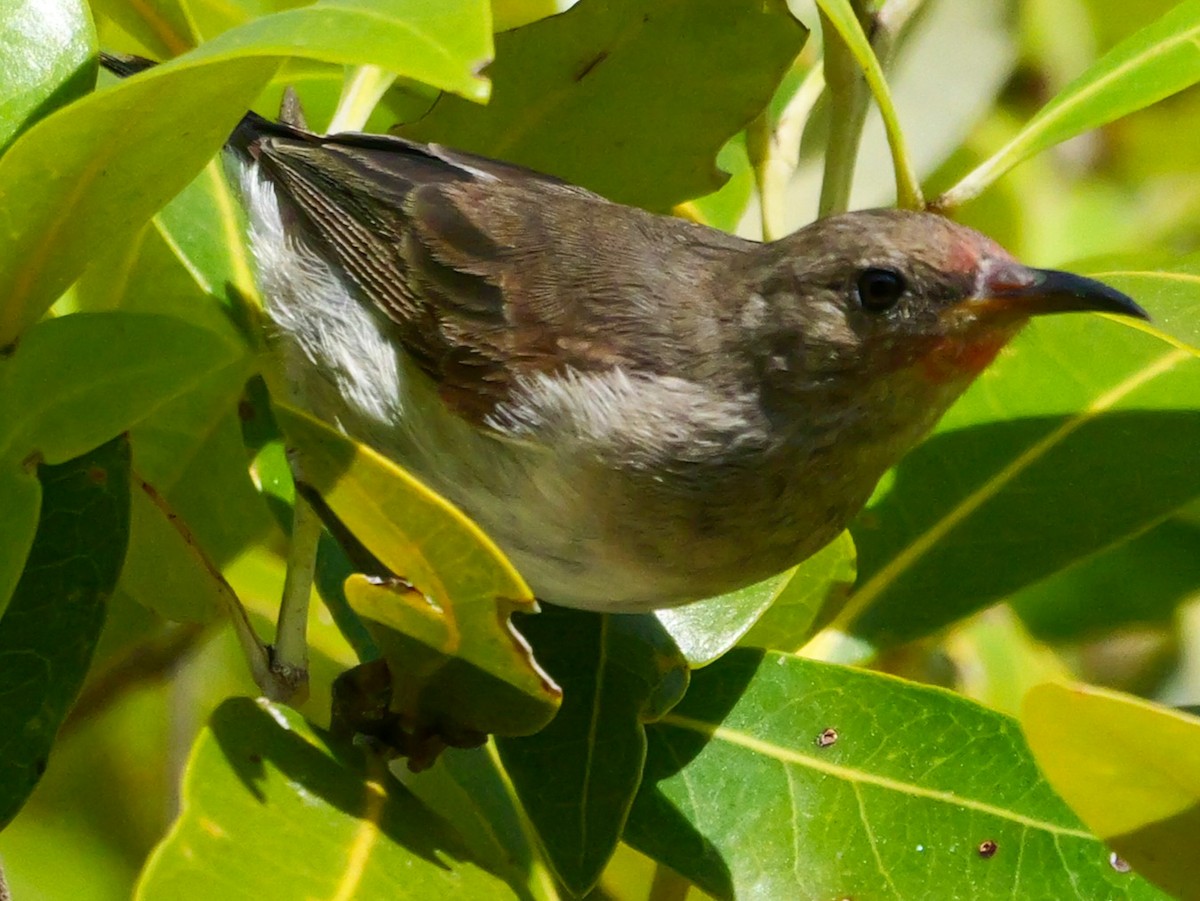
880,289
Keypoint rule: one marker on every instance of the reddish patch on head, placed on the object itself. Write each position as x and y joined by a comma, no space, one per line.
962,256
953,358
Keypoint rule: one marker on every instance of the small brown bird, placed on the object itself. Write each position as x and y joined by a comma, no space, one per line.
640,411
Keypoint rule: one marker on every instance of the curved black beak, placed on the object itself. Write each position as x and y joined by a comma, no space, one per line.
1038,292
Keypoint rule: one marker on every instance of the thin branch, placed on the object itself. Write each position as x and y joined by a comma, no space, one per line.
257,654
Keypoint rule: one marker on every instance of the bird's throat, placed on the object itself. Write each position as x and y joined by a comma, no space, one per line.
954,358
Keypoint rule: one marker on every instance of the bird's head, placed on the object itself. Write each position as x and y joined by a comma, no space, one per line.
866,295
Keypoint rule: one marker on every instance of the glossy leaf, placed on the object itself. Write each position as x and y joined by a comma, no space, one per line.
1173,296
778,777
441,44
75,382
53,621
1052,456
465,590
775,613
115,157
1130,769
263,785
618,672
577,95
105,164
46,49
1157,61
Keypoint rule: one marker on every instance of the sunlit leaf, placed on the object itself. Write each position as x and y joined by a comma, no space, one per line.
785,778
465,590
263,785
46,49
112,159
617,672
1172,296
573,97
50,628
775,613
1154,63
1130,769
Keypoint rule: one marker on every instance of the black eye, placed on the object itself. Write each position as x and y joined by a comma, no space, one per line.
879,289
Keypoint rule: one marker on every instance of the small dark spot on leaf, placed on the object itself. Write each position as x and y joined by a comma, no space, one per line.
8,349
826,738
590,65
39,766
255,757
246,411
98,475
32,461
1120,864
988,849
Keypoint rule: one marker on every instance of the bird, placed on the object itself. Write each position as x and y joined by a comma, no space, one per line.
640,410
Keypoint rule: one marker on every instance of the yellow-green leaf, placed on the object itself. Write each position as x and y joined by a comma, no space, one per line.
1130,769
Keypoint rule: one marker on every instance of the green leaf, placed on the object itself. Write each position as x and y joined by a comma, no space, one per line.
1156,62
1130,769
20,497
46,49
775,613
53,621
109,161
821,581
76,381
1171,296
465,590
1094,596
263,785
618,672
441,44
579,95
779,777
105,164
1051,456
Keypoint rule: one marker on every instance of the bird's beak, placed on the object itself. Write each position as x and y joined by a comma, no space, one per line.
1016,290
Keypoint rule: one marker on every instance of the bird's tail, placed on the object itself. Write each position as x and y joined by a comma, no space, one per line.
248,130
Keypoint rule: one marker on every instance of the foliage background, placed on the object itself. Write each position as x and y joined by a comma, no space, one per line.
1085,555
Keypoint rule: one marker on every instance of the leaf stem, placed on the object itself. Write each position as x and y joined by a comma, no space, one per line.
775,152
362,90
289,655
849,59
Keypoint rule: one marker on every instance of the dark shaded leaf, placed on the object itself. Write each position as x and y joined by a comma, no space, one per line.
53,621
618,672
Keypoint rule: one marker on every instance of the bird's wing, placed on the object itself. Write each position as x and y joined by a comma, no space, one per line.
489,271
